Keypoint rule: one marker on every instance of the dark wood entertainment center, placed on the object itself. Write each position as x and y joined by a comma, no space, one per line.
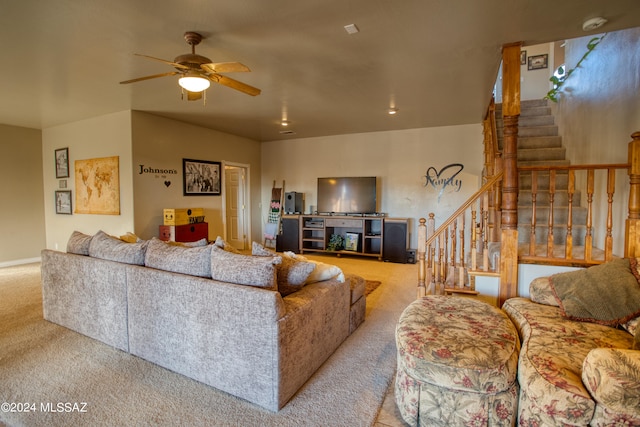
312,234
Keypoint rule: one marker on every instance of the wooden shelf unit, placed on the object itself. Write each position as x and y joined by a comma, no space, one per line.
316,232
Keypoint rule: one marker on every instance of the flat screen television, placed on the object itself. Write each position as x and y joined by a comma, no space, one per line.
347,195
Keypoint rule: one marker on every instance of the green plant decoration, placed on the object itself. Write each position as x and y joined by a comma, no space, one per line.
558,81
336,243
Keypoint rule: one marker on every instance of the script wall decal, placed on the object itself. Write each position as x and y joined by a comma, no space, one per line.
445,179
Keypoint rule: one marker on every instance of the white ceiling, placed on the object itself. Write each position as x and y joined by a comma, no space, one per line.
435,60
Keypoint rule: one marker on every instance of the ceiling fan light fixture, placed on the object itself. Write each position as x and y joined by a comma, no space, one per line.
194,82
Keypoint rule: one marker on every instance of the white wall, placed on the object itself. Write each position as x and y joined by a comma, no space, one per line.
597,112
103,136
22,214
534,84
400,160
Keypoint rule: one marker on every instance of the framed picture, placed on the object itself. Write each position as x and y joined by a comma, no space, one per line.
63,202
62,162
523,57
538,62
201,177
351,241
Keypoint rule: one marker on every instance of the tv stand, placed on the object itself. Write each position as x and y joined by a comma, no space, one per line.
365,234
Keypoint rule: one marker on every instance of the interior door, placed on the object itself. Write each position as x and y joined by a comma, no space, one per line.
235,182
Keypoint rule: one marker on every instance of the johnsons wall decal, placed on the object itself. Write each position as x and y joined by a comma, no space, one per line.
161,173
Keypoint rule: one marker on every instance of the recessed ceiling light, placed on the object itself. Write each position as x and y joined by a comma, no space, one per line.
284,122
392,111
287,132
593,23
351,28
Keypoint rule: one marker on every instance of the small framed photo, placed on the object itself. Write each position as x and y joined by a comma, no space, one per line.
201,177
523,57
62,162
351,241
62,183
538,62
63,202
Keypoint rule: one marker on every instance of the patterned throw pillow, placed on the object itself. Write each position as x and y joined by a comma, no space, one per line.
110,248
221,243
79,243
540,291
195,261
292,274
244,269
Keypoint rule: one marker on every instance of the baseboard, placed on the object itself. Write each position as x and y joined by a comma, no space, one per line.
20,262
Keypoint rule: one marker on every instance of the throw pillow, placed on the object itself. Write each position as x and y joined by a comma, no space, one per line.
292,274
244,269
195,261
79,243
110,248
540,291
221,243
322,271
608,294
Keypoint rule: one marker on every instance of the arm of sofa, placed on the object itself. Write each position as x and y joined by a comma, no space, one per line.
612,376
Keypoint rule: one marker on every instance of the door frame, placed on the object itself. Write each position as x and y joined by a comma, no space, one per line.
247,192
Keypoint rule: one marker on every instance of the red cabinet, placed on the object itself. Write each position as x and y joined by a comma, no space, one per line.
184,233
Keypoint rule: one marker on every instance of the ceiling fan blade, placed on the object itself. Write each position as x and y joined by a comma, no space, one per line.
234,84
175,64
194,96
139,79
225,67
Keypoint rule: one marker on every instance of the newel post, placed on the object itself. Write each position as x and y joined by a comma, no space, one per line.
509,223
632,225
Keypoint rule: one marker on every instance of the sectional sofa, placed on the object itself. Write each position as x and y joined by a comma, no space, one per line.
579,362
205,312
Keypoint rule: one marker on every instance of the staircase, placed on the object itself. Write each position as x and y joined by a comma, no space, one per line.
539,144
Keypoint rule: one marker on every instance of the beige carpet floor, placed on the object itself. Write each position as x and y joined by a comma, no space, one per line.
63,378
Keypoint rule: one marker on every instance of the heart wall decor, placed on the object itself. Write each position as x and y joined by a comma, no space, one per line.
444,179
167,183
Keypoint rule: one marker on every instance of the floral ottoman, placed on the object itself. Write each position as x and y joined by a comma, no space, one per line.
457,363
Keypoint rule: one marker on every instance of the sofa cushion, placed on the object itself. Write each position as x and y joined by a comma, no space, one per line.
292,273
550,363
110,248
608,293
195,261
244,269
79,243
322,271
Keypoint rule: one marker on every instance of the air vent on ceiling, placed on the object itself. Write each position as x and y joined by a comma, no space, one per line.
287,132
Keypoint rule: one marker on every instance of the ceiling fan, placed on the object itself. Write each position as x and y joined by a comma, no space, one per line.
197,72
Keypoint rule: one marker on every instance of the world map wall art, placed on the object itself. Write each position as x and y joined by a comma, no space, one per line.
98,186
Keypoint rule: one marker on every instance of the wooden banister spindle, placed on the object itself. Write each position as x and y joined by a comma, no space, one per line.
451,269
485,232
534,195
571,188
422,250
474,230
552,194
611,188
461,265
588,241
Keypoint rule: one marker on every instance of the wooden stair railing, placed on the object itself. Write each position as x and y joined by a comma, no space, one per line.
569,248
442,263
